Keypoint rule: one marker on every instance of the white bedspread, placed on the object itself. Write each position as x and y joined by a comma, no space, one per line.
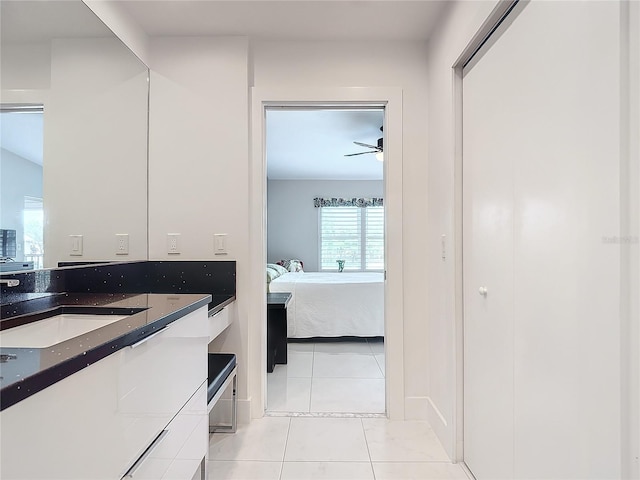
333,304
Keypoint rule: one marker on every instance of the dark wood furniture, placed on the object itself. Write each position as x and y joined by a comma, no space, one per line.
277,329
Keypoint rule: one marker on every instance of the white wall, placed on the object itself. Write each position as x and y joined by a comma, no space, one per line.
25,67
95,150
199,163
18,178
292,220
455,30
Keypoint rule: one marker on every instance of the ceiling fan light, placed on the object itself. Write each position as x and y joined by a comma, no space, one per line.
379,156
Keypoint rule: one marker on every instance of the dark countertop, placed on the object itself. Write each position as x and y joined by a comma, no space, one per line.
26,371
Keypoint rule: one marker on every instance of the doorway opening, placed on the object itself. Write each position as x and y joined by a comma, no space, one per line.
325,244
21,177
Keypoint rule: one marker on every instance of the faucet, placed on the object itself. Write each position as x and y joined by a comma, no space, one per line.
10,282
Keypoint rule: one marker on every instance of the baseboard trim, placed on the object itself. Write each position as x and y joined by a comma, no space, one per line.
441,427
436,412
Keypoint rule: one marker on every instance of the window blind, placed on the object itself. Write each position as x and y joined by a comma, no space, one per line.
352,234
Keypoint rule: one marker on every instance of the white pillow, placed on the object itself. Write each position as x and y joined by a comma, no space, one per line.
278,268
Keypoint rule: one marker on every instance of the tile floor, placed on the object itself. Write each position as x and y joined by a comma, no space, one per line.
300,448
329,377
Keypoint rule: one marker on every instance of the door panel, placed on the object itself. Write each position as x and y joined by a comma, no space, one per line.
488,260
541,157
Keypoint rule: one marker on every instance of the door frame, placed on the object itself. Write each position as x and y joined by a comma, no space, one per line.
391,99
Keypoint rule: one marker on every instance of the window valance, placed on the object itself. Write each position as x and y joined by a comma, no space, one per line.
347,202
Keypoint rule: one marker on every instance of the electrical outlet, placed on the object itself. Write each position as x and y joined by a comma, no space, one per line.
75,246
122,244
173,243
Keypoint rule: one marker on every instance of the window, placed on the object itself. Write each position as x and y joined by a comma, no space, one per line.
33,218
352,234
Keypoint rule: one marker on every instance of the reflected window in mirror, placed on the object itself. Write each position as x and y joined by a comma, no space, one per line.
21,183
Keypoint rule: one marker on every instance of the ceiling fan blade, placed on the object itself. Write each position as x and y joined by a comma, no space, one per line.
361,153
366,145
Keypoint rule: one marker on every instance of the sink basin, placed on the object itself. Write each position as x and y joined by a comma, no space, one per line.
58,325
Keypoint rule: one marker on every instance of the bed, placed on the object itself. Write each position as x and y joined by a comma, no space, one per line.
331,304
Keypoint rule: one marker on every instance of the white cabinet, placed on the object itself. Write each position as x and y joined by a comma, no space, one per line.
180,447
96,423
219,321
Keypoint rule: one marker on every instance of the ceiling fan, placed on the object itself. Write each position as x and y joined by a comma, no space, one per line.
377,149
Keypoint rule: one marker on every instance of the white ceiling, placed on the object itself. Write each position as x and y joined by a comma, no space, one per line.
40,21
312,144
289,19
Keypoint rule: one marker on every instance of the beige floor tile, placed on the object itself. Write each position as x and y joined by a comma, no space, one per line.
263,439
300,347
418,471
402,441
286,394
326,440
347,395
327,471
380,359
355,346
345,365
244,470
299,365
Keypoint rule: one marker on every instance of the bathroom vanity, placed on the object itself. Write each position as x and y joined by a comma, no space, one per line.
106,385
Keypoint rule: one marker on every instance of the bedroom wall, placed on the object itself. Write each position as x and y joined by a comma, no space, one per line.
292,220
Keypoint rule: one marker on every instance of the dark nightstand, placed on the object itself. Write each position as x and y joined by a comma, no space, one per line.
277,329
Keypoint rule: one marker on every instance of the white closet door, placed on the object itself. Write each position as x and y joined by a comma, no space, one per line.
488,264
488,260
541,200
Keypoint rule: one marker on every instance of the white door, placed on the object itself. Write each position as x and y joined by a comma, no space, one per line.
541,198
488,287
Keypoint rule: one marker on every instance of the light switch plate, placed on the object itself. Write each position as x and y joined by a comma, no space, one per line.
220,243
75,245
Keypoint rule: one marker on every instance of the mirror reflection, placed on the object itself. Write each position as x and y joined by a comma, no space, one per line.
73,157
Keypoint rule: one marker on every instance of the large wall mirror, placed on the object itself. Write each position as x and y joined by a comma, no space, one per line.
73,166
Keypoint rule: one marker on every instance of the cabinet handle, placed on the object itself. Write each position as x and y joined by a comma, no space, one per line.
149,337
215,314
132,471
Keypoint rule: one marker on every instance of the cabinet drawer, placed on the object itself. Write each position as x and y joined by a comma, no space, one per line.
159,376
181,446
218,322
